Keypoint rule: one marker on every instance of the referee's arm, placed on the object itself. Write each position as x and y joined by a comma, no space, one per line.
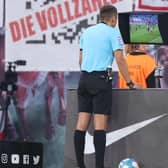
122,65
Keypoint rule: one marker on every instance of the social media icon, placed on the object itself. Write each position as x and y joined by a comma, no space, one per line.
4,158
26,159
15,159
36,160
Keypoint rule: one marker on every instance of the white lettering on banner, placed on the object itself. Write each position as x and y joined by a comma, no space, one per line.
46,33
154,4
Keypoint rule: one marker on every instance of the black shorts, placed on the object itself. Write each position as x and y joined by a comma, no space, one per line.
94,93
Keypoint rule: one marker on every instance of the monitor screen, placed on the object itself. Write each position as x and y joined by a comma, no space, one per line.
144,28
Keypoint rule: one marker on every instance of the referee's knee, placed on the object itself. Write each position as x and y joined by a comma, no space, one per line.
81,126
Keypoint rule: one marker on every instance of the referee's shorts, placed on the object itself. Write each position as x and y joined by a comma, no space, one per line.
94,93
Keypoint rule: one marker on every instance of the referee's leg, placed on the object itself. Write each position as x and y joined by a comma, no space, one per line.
79,137
100,126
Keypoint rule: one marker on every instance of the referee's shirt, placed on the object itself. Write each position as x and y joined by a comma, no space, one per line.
98,43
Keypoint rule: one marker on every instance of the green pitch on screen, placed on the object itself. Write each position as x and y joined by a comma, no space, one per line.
145,34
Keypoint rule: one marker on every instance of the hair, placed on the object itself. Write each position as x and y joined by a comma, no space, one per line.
131,47
106,12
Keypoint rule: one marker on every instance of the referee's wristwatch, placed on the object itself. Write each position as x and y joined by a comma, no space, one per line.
130,84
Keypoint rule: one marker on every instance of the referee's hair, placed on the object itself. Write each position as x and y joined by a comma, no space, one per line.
106,12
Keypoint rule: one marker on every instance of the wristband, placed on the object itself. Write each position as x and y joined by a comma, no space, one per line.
130,84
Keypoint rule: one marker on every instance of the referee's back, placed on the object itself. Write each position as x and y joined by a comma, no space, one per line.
97,43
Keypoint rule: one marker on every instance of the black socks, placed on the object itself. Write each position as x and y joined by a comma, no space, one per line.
79,143
99,143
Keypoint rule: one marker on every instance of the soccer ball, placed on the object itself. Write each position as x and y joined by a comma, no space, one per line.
128,163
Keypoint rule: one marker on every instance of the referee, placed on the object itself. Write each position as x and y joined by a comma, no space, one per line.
98,46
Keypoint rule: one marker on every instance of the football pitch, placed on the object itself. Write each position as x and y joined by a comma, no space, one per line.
143,34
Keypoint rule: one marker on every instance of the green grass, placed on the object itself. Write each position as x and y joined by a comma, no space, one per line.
142,35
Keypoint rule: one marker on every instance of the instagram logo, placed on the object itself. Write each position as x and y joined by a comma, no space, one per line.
4,158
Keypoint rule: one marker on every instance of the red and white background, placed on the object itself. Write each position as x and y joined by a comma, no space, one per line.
153,4
47,32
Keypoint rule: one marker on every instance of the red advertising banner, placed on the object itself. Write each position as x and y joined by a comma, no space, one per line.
161,5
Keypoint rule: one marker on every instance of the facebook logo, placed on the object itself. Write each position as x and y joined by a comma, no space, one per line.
26,159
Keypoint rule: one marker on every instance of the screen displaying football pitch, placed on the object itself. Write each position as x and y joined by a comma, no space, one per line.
144,28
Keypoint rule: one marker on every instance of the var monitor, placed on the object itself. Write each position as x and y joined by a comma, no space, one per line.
144,27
